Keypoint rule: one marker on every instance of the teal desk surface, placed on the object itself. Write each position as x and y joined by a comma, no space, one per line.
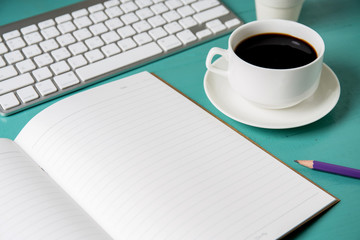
334,138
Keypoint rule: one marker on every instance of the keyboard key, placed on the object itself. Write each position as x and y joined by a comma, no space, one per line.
126,44
29,29
144,13
42,73
31,51
60,54
27,94
94,42
77,61
172,27
186,36
3,48
142,38
50,32
232,23
13,57
211,14
46,87
43,60
126,31
215,26
110,49
60,67
159,8
66,39
114,23
2,62
79,13
33,37
77,48
110,37
15,83
66,27
82,34
7,72
204,4
16,43
203,33
111,3
128,7
94,55
171,16
169,42
141,26
188,1
99,16
25,66
158,33
172,4
63,18
129,18
11,34
118,61
46,23
186,11
8,101
157,21
49,45
114,12
188,22
96,7
66,80
144,3
98,29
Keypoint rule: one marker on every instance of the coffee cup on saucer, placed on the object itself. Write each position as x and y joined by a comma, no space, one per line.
272,63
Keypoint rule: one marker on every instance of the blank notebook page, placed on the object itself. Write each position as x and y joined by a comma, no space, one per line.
147,163
33,207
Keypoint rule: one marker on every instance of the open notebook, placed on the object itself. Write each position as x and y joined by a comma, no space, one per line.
135,159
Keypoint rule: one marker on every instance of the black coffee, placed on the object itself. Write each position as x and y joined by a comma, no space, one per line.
278,51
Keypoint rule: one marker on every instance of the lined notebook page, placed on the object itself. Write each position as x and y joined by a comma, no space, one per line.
33,207
147,163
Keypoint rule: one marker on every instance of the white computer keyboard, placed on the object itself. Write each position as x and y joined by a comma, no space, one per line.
57,52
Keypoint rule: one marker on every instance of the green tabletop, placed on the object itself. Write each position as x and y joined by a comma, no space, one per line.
334,138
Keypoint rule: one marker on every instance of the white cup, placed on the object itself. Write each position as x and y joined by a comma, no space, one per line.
267,87
278,9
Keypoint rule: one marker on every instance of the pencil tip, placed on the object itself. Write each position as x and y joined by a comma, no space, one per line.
305,163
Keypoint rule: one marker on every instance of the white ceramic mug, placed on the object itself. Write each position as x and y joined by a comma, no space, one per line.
278,9
266,87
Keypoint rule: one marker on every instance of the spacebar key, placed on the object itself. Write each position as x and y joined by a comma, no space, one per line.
118,61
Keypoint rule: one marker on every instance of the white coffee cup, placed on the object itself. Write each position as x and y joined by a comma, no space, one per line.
278,9
267,87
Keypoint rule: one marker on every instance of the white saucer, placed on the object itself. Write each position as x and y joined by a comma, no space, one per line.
224,98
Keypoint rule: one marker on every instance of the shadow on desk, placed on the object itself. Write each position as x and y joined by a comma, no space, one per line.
302,229
350,87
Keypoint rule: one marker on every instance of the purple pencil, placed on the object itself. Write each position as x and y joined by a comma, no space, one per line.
331,168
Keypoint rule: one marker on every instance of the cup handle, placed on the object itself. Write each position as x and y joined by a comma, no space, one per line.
213,52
